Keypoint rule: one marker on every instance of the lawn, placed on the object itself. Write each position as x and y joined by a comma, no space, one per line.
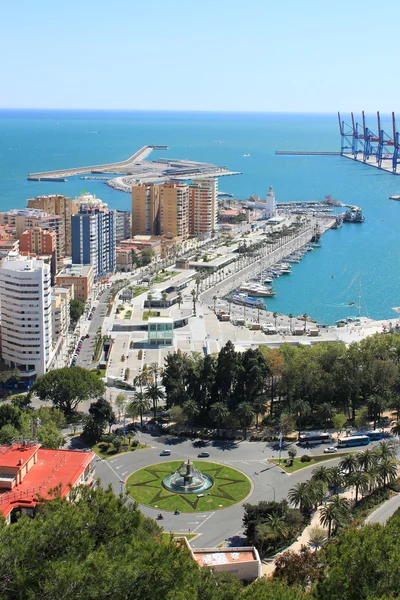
149,313
230,487
106,449
164,276
297,464
167,534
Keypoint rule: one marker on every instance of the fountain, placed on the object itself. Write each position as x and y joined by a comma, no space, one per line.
188,480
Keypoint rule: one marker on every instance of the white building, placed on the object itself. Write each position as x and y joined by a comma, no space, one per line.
270,204
26,319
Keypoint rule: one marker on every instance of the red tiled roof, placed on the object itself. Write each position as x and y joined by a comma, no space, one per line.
53,468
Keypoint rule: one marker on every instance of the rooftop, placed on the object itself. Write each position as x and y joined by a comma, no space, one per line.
75,271
209,557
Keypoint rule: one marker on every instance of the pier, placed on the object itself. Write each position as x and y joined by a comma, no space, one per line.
116,167
305,153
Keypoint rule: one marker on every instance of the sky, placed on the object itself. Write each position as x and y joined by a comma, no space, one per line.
211,55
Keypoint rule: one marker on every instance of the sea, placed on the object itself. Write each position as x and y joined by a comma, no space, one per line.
357,265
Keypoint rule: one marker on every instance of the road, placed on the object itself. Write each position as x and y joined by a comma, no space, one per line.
385,511
268,481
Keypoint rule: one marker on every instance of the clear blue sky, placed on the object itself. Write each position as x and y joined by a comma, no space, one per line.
250,55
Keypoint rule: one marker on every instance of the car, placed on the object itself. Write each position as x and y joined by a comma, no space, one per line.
165,453
87,336
330,450
203,455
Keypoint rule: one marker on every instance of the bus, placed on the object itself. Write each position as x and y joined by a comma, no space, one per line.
314,438
374,434
353,440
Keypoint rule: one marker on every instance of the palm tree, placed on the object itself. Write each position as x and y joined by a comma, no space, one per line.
244,309
385,450
349,463
179,300
336,479
218,413
360,481
245,413
366,459
321,474
276,527
198,280
317,538
343,510
299,496
149,299
164,297
139,405
154,371
331,514
190,409
291,322
154,393
386,470
316,492
302,409
275,315
193,294
215,301
305,318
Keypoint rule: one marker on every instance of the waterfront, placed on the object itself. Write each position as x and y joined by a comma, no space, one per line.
35,141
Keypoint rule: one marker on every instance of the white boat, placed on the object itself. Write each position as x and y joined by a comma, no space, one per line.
256,289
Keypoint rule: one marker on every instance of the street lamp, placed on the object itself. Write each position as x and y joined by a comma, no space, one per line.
269,485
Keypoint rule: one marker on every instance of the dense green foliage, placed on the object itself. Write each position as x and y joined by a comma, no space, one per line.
325,384
269,525
100,415
68,387
43,423
76,310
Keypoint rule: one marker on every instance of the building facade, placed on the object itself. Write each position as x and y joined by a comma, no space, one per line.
203,206
160,209
146,209
30,218
93,239
60,205
78,277
26,320
122,225
60,300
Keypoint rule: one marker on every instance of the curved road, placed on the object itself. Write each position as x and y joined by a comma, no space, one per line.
251,458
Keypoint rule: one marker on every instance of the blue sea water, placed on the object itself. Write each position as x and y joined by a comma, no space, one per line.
326,281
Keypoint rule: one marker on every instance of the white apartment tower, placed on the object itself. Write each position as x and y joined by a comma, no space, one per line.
26,319
203,206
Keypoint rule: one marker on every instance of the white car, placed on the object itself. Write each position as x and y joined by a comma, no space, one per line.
165,453
330,450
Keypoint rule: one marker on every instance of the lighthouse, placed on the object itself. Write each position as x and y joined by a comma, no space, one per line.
270,204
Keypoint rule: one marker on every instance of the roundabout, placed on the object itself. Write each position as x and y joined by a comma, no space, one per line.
188,486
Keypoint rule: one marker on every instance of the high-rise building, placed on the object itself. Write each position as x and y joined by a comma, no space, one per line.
123,225
93,239
174,209
39,243
29,218
146,209
203,206
26,320
58,204
60,300
160,209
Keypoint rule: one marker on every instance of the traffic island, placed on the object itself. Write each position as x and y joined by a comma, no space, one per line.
229,487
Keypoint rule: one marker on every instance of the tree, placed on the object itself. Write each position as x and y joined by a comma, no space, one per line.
305,319
190,411
10,415
120,403
302,409
229,300
292,453
336,479
339,421
149,299
385,450
164,297
277,527
328,516
154,393
322,474
102,412
76,310
8,433
361,419
287,423
245,414
147,255
297,568
139,406
360,481
219,412
299,496
349,463
275,315
179,300
50,436
366,459
68,387
215,298
317,538
386,470
291,322
194,298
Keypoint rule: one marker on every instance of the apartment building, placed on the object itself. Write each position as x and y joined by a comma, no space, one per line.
93,239
60,205
78,277
203,206
41,244
160,209
30,218
146,209
8,240
26,320
60,300
122,225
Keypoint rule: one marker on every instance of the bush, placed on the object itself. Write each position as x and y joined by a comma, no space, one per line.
305,458
140,354
395,485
